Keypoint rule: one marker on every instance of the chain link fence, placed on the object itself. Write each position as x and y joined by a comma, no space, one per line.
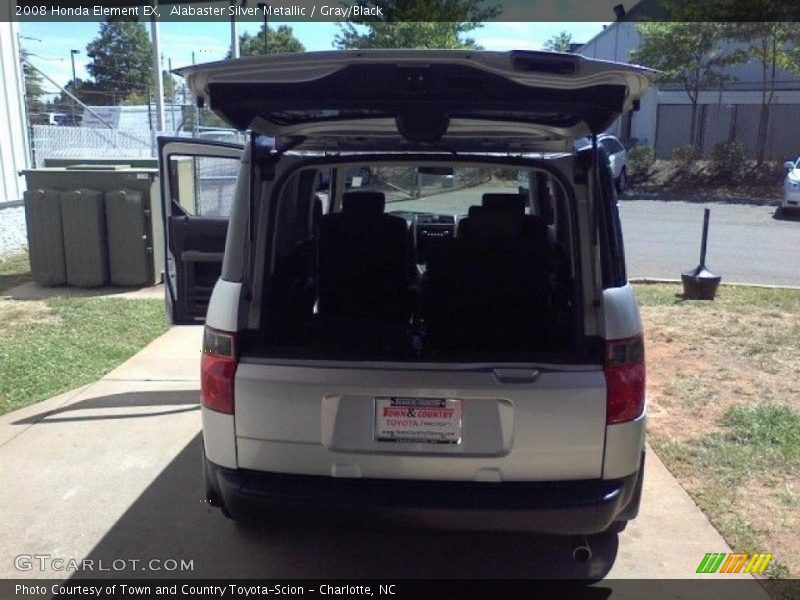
58,141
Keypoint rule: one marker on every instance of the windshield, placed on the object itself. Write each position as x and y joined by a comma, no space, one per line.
409,189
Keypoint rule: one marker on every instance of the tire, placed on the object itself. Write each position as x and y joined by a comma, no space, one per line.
622,181
617,527
213,497
631,510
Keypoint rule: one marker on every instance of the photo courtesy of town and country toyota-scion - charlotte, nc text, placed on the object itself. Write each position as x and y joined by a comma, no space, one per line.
295,10
187,590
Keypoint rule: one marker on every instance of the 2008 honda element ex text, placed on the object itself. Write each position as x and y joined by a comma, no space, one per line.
393,321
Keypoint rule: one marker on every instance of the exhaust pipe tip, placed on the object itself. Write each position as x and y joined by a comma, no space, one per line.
582,554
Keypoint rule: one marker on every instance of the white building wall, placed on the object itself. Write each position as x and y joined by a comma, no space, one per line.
643,124
615,43
14,154
618,40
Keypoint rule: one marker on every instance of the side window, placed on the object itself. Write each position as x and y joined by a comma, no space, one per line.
203,186
614,272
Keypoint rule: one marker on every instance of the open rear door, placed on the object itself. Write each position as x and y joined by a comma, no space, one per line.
198,186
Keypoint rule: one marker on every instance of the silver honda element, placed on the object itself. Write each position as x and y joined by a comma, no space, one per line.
435,340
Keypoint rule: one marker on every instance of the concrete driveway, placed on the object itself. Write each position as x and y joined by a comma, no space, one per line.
112,471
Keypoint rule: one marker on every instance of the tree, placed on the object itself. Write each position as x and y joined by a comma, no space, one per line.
280,40
415,24
121,59
170,86
689,53
559,43
768,32
774,45
33,86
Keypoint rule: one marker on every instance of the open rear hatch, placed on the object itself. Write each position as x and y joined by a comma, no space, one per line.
481,422
411,100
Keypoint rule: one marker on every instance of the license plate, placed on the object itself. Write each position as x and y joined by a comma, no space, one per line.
426,420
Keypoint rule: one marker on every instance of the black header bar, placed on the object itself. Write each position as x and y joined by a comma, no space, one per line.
357,11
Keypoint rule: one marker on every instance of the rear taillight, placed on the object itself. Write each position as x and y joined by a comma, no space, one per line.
218,367
625,379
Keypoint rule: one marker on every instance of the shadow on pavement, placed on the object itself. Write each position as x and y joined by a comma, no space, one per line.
126,400
782,214
170,520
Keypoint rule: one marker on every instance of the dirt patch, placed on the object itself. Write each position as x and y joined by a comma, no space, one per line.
667,179
16,316
704,361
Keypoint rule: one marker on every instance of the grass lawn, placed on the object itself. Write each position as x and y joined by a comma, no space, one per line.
15,269
54,345
724,410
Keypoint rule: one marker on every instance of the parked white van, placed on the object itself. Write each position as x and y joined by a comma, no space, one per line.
430,342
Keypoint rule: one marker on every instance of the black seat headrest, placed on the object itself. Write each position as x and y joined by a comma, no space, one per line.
500,201
363,203
492,224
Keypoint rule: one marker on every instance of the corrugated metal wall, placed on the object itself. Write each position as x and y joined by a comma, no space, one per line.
13,140
721,123
672,128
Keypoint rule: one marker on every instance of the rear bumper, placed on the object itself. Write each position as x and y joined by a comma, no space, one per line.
791,197
568,507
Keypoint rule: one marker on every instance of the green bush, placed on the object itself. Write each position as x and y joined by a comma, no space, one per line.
684,155
641,159
728,159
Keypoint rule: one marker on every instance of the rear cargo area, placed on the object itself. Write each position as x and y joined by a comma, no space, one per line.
449,264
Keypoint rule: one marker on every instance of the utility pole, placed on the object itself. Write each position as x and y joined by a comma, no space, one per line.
72,54
264,6
157,75
234,34
174,97
195,108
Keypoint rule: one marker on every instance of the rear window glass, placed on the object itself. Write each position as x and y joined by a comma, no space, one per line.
449,191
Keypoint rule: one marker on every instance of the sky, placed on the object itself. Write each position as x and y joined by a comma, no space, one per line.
50,50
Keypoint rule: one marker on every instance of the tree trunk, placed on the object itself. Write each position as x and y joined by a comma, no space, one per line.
763,127
693,125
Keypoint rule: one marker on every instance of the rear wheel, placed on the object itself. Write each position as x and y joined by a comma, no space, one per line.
631,510
213,497
617,527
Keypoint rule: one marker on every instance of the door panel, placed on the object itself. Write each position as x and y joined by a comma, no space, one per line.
198,186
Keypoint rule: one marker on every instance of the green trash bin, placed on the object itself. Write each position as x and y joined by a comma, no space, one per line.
128,256
85,252
45,238
80,174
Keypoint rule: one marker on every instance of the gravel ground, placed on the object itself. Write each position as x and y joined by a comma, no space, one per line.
13,234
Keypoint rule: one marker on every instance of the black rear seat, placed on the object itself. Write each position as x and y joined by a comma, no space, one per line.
363,261
492,293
